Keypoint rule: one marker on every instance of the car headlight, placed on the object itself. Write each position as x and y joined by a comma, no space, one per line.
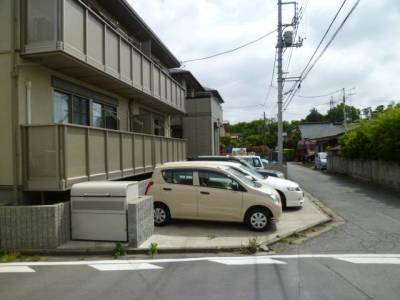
275,198
293,189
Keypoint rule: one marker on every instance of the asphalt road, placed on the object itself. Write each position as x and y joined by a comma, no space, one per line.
372,214
232,278
372,226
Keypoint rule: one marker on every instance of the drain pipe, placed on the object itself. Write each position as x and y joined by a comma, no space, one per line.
14,105
28,86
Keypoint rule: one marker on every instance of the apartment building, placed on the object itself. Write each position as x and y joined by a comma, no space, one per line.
203,120
86,94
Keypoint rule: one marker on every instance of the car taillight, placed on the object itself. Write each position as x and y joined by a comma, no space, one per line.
149,184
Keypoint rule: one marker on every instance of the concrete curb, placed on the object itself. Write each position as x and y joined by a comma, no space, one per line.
191,250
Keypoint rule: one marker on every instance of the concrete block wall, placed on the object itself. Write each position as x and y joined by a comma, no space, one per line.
140,220
380,172
34,227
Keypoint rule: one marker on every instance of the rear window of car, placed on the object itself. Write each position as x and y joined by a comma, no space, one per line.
174,176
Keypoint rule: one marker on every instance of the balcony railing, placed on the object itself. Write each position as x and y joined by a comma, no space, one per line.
55,156
80,34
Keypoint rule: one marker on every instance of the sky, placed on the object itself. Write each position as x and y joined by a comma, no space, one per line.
363,58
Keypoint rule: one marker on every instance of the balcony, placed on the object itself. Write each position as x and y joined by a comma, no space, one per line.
71,38
55,156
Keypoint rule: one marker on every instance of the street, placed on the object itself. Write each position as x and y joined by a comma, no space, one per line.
357,260
372,214
276,277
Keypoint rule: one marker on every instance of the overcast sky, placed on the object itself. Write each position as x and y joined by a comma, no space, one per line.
365,54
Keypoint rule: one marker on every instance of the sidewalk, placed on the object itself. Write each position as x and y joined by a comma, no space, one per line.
198,236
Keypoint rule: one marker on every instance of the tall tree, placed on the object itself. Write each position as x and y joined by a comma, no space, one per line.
314,116
336,114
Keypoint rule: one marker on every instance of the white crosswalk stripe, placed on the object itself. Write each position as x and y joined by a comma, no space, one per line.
125,267
239,261
371,260
16,269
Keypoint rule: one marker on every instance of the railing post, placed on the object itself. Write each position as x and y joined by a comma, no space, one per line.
133,154
87,155
106,152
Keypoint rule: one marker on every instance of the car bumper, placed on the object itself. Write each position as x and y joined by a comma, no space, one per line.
294,199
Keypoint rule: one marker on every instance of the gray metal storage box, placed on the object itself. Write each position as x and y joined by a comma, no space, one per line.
99,210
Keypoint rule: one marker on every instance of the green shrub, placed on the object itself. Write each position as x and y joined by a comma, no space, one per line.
289,154
375,139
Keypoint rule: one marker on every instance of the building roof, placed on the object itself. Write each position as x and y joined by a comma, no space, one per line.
189,78
127,16
320,130
215,93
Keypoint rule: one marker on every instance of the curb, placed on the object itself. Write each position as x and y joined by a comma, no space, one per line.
198,250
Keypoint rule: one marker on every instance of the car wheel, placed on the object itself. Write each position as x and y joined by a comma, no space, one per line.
162,215
258,219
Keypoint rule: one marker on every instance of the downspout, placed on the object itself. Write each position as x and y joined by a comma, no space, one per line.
28,86
14,104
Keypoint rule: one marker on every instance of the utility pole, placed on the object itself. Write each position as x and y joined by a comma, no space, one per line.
279,47
285,40
344,110
331,102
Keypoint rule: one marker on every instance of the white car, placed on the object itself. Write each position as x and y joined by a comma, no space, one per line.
289,191
253,160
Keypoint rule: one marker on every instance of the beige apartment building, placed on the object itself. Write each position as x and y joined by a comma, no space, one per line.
86,94
203,120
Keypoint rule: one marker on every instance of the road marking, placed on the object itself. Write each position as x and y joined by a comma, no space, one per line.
239,261
194,259
371,260
16,269
124,267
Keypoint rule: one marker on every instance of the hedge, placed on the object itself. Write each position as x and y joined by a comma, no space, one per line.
376,139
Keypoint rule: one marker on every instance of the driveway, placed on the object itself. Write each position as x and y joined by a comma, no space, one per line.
372,213
195,234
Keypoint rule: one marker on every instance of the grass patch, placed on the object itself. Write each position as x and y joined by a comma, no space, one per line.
251,247
15,256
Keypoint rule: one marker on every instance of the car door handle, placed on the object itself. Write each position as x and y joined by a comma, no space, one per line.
167,189
205,193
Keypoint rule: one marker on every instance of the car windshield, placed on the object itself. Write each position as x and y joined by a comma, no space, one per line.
245,163
253,173
323,155
242,176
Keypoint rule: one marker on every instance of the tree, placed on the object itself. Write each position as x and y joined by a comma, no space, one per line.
335,114
314,116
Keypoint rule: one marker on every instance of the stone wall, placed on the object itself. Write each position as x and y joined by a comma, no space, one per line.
380,172
140,220
34,227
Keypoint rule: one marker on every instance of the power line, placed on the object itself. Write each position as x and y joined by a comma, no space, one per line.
332,38
306,71
293,88
231,50
272,80
320,96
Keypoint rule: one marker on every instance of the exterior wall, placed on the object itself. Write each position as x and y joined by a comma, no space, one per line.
34,227
199,126
380,172
6,103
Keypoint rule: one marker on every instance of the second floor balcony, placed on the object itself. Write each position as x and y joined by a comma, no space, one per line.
70,37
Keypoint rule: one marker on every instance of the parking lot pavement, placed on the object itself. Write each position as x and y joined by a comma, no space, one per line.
198,234
310,276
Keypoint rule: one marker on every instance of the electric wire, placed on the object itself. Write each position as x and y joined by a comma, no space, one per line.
231,50
308,69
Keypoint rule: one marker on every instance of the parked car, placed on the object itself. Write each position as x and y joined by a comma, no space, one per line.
208,191
265,162
264,172
253,160
289,191
320,161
